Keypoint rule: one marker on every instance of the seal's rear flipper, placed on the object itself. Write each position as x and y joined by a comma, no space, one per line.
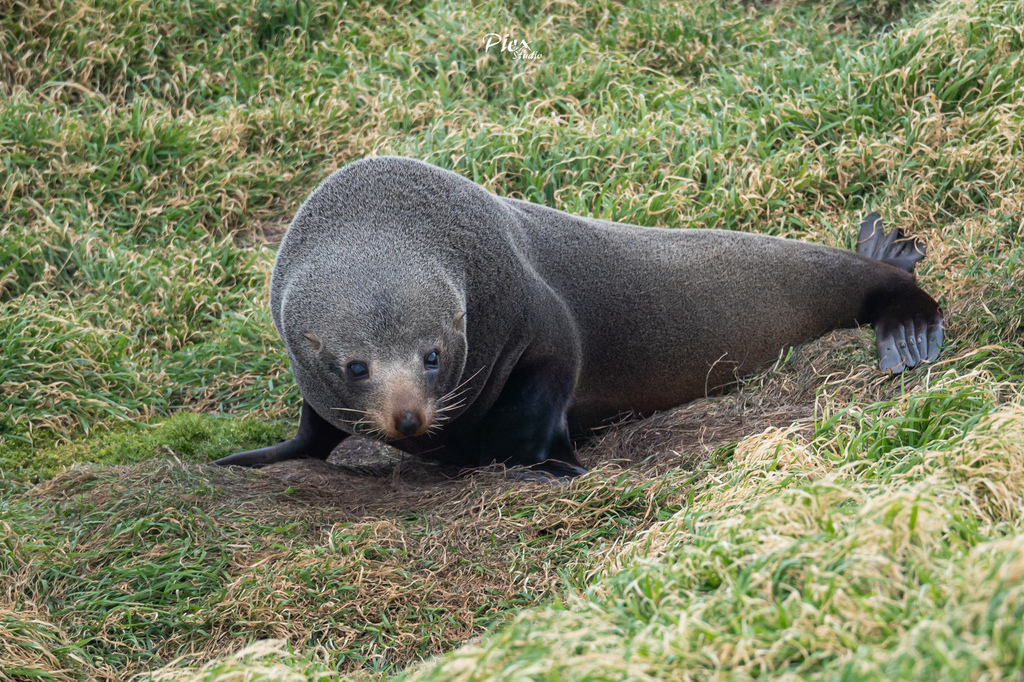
316,439
905,342
894,248
907,321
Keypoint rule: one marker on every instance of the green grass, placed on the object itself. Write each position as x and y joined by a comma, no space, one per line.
188,436
146,149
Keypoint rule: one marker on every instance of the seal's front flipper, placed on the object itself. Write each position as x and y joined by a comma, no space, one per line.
316,439
894,248
548,471
558,469
527,426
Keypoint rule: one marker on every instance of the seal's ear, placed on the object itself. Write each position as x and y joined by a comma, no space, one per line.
460,321
314,341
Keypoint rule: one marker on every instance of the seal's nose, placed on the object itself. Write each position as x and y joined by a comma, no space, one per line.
407,423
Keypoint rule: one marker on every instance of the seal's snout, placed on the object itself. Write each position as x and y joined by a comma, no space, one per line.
407,423
402,408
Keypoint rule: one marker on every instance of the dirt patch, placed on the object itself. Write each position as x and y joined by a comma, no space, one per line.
365,477
269,232
685,437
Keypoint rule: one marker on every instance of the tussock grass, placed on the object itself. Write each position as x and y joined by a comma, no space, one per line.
803,559
819,520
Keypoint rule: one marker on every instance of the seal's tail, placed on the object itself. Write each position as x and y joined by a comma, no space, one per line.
894,248
907,321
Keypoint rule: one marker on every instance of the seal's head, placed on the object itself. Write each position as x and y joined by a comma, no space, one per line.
384,357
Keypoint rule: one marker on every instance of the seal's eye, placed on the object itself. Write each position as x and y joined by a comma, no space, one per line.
357,371
432,360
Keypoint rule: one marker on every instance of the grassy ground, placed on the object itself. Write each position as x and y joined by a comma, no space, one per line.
819,521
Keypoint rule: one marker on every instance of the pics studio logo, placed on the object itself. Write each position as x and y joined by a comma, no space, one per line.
519,49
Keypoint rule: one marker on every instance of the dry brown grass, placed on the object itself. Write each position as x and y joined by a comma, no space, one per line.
27,642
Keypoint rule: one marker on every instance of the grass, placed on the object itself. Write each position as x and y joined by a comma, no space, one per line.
804,559
148,563
819,521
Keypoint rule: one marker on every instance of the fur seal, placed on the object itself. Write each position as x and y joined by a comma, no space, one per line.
467,328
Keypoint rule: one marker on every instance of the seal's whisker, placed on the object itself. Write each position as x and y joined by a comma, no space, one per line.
451,393
446,408
427,452
446,412
460,397
355,422
365,426
452,397
371,428
350,409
